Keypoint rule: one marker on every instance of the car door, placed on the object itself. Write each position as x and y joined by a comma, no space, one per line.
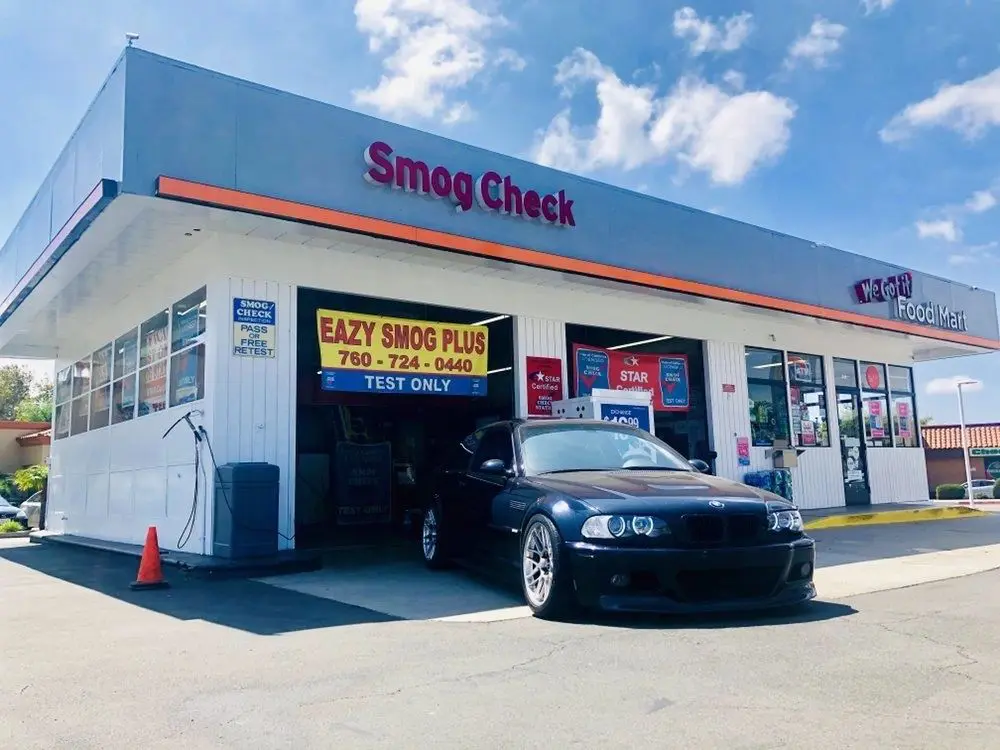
485,490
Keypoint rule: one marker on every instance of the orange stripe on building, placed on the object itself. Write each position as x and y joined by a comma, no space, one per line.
171,187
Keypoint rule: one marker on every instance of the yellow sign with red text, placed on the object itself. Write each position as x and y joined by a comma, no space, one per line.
376,353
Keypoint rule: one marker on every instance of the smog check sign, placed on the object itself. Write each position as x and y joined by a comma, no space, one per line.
254,327
490,191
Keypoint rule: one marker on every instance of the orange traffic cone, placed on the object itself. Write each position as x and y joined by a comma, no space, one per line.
150,574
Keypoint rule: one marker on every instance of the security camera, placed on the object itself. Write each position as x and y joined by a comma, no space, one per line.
130,37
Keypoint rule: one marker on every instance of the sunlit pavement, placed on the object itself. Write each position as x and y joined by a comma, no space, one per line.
237,664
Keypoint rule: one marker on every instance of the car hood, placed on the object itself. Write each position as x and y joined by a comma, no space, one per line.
8,511
621,491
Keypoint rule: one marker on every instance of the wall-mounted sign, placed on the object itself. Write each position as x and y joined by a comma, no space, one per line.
491,191
873,377
729,387
374,354
254,327
993,469
743,451
544,384
663,375
984,451
931,314
883,290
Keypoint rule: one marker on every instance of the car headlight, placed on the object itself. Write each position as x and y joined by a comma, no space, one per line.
619,527
784,520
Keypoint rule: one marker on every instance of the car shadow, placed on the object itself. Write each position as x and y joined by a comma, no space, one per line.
237,603
815,611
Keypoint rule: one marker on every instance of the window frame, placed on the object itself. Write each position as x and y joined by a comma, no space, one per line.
911,394
803,387
125,371
868,394
775,384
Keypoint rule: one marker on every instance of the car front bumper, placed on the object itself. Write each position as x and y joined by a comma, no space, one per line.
693,580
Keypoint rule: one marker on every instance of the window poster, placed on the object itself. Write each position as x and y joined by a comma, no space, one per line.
124,400
903,418
153,388
100,371
153,342
876,421
808,432
187,375
126,353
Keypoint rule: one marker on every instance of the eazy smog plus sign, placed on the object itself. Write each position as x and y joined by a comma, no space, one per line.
491,190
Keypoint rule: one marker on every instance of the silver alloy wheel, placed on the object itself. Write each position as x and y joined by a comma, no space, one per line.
430,534
536,564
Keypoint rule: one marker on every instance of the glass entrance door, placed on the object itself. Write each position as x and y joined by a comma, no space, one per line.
853,457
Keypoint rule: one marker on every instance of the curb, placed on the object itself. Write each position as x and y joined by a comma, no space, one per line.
917,515
16,535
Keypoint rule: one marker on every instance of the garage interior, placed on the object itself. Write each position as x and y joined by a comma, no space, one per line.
407,435
684,431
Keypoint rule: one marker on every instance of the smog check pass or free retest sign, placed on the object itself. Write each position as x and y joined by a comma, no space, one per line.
254,327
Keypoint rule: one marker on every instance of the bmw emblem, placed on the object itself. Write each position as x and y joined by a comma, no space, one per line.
716,504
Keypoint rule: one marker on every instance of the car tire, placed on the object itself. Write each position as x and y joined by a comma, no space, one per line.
434,539
545,577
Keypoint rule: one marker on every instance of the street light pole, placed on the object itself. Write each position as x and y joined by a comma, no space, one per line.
965,437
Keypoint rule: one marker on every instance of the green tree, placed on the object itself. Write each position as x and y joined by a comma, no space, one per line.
31,479
38,406
16,385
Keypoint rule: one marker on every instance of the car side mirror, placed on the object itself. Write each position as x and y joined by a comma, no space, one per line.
494,467
700,465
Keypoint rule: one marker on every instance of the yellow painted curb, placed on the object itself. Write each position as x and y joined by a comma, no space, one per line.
894,516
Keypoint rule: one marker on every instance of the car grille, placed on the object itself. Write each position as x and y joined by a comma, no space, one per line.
717,528
727,584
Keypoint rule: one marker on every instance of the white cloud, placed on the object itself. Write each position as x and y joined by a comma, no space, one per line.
981,201
968,108
704,35
817,45
949,386
974,254
874,5
940,229
433,49
725,134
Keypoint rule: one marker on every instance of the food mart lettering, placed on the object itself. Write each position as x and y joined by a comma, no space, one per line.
931,314
491,190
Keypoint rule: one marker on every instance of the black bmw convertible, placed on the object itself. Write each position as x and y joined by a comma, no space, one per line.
602,515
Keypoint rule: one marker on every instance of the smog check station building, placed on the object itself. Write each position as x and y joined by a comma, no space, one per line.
345,299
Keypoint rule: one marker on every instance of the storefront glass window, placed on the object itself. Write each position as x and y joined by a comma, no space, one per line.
81,377
188,320
126,353
79,415
905,428
768,397
153,339
60,422
100,407
187,375
64,385
845,373
153,388
875,406
808,398
123,400
100,371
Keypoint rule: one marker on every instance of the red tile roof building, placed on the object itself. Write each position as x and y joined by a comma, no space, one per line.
943,453
947,436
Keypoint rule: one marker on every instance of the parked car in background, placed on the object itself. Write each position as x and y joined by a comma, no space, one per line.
32,508
982,489
10,512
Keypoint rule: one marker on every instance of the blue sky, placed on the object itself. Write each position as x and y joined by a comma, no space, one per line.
869,125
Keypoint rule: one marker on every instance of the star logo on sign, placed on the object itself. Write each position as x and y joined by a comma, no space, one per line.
539,376
631,361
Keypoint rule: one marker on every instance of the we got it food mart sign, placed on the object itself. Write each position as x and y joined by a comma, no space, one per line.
254,327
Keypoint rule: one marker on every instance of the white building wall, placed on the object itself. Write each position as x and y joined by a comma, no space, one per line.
254,414
536,337
897,474
114,482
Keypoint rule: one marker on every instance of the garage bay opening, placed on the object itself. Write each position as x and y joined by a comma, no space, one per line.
385,390
671,368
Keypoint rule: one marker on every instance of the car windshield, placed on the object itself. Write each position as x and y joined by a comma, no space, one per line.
554,448
4,503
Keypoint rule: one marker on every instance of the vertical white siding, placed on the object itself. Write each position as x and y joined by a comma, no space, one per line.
254,417
536,337
897,474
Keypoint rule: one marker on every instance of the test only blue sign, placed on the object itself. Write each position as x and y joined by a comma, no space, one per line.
254,329
633,415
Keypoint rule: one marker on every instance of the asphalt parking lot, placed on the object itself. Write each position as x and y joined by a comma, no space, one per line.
237,663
